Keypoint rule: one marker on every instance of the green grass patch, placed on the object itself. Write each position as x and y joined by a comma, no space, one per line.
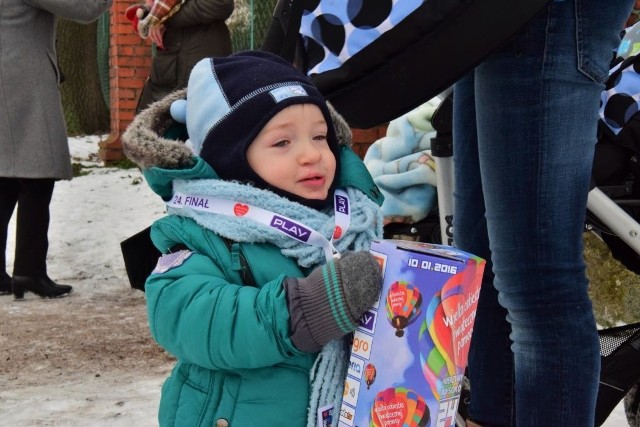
123,163
614,290
80,170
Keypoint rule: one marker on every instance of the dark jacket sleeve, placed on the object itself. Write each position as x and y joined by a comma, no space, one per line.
194,12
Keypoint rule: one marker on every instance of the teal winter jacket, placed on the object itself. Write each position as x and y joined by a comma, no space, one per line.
236,361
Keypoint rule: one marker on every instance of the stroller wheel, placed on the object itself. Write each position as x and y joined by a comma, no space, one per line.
632,406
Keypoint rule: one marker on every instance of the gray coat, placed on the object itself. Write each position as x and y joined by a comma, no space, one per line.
33,137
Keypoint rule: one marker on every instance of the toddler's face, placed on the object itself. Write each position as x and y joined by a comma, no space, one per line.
292,152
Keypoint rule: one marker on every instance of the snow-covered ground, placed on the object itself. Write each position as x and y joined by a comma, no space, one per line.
90,216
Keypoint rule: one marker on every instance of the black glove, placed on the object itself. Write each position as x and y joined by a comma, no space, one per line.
328,303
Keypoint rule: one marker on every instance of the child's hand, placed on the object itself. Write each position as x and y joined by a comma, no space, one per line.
328,303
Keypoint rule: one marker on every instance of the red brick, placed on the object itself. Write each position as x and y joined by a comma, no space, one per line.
131,83
126,72
120,6
142,51
142,73
111,148
127,94
130,39
132,62
364,134
127,115
128,104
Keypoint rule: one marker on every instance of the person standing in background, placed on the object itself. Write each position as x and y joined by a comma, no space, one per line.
196,31
524,131
34,150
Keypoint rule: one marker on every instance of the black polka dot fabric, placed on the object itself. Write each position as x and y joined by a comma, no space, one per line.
620,99
334,31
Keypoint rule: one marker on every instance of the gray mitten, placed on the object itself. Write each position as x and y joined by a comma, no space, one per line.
328,303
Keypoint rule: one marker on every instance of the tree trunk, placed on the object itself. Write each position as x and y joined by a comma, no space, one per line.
84,106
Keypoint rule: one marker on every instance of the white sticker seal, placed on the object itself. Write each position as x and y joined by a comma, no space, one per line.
169,261
285,92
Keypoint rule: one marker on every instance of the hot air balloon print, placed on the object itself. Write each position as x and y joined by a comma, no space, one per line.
453,297
399,406
369,374
402,305
434,367
440,331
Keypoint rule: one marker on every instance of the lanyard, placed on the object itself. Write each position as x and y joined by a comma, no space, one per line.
291,228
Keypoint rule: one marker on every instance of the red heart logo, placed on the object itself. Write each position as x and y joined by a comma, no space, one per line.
337,233
240,209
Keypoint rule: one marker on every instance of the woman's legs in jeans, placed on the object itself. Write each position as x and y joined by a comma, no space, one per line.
524,133
490,356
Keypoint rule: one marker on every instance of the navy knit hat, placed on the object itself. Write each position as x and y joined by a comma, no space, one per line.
230,99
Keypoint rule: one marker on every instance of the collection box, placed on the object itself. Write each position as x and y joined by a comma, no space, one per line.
410,351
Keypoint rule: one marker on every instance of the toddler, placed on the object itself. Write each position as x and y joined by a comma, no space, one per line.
252,296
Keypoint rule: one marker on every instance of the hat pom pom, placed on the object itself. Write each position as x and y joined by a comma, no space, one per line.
178,110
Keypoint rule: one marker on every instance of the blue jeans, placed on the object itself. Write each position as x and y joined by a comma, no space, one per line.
524,134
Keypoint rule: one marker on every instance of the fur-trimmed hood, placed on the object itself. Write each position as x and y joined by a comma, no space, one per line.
149,140
145,142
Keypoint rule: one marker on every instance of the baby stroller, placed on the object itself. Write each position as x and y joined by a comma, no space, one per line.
615,185
613,202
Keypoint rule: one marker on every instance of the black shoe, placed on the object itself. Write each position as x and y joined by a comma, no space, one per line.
66,288
41,285
5,284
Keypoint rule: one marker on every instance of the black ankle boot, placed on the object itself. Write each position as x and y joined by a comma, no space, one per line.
40,285
5,284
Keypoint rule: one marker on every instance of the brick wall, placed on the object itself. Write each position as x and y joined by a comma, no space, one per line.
129,65
363,138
